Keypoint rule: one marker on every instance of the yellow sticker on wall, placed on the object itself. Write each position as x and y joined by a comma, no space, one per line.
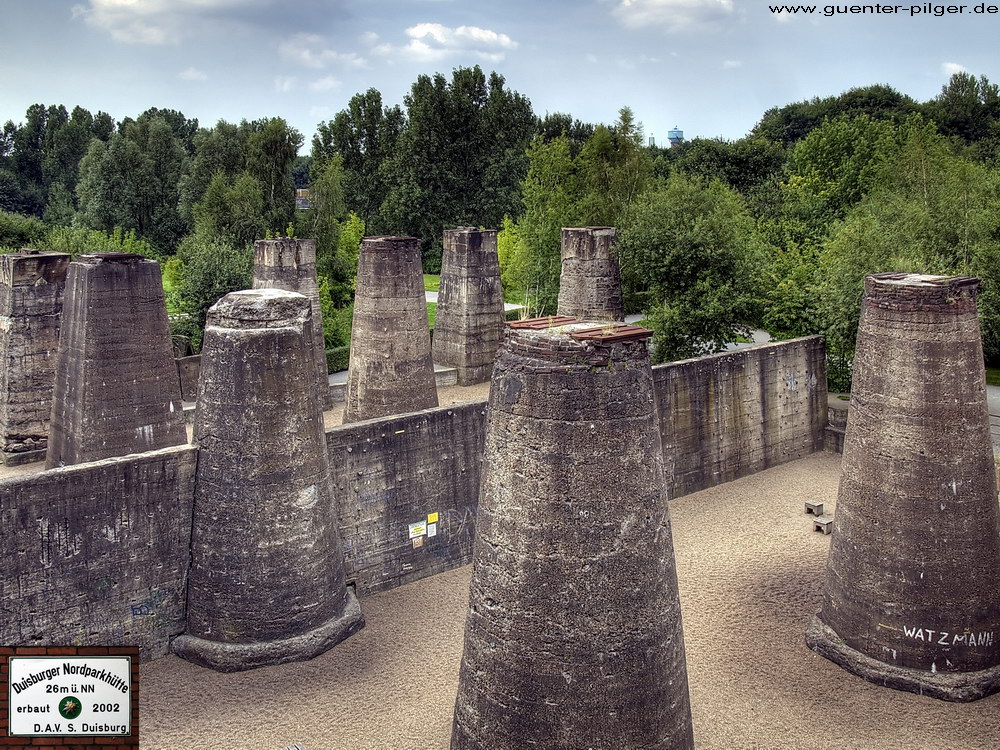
432,518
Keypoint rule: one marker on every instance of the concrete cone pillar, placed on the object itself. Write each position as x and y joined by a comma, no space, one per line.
468,325
590,284
911,597
391,371
290,264
573,638
32,284
116,390
267,575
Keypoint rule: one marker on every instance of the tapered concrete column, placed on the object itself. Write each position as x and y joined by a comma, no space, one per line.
912,600
267,575
468,324
116,386
573,638
590,285
290,264
31,299
391,371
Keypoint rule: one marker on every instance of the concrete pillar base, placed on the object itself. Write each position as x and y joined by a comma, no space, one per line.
237,657
22,457
960,687
466,376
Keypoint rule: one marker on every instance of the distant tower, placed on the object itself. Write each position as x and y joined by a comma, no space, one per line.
652,141
675,136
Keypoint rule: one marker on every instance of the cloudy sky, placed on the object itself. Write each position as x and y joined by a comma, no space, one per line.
710,67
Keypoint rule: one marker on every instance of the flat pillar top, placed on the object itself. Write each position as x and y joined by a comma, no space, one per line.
387,244
26,252
259,308
95,258
537,324
557,337
587,229
923,280
915,291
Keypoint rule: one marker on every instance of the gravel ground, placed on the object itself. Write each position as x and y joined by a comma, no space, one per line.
750,574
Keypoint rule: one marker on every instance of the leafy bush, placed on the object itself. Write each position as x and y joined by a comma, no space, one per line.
209,270
693,246
78,240
338,358
19,231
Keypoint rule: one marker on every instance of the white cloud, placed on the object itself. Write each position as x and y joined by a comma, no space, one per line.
285,84
310,50
192,74
153,21
433,41
626,65
591,57
324,84
783,16
369,37
951,68
675,15
730,64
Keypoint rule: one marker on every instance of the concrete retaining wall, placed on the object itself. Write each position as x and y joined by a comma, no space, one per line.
97,554
392,475
728,415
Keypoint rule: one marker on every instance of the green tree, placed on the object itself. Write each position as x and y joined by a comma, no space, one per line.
555,124
271,152
132,182
323,222
219,149
933,212
460,158
745,165
614,168
209,269
693,245
793,122
365,136
18,230
26,160
232,211
552,191
834,167
967,107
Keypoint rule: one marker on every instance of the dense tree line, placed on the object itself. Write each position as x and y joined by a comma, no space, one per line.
774,230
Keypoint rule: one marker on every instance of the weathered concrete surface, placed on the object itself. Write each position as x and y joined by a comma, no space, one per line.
116,388
267,575
391,371
911,597
290,264
469,321
387,474
745,587
188,372
729,415
392,475
590,283
97,554
31,299
574,637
